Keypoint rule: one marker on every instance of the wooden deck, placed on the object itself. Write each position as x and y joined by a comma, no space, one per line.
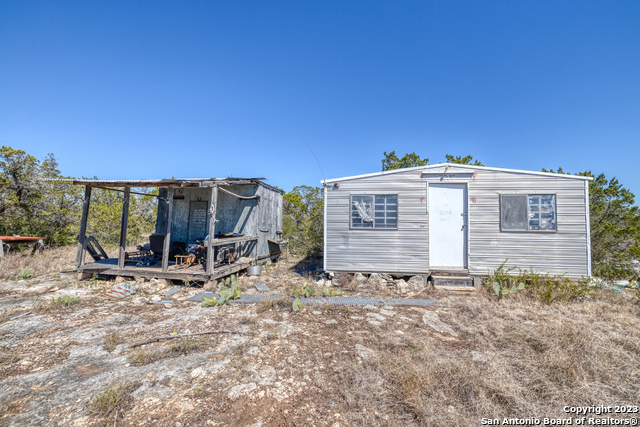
195,272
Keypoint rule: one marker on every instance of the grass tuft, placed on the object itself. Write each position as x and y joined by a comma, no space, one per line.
114,398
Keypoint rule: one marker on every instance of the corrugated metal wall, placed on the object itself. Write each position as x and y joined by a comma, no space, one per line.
406,250
562,252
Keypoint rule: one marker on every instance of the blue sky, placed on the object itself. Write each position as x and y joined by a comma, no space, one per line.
154,89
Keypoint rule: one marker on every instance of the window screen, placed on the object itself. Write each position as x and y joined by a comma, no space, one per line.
374,211
532,212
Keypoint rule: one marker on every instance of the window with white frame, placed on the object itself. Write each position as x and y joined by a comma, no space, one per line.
374,211
528,212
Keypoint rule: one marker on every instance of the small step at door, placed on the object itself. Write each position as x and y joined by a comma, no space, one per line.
451,282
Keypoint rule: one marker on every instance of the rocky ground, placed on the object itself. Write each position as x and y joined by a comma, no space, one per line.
329,365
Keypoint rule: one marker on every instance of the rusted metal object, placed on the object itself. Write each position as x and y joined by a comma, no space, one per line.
123,290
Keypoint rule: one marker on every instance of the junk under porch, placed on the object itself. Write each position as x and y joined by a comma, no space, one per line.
205,229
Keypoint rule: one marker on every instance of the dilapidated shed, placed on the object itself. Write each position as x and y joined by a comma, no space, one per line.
205,229
457,219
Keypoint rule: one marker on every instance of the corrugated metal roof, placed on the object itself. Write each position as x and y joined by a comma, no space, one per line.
465,169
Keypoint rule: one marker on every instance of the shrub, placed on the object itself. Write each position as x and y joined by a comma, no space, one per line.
549,288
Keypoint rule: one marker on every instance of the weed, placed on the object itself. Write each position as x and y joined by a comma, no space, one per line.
272,334
113,398
142,357
266,304
65,300
24,274
185,346
549,288
112,340
248,320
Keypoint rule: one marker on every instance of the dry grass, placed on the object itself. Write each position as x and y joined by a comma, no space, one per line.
536,359
265,305
53,260
112,340
112,399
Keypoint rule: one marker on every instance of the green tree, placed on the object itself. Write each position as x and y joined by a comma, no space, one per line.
105,215
32,204
303,219
36,200
409,160
462,160
615,226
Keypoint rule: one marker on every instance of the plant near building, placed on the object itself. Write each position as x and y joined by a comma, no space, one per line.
225,294
507,286
328,292
305,290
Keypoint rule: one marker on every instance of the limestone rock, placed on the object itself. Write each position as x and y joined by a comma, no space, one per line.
342,279
401,286
431,319
360,279
416,283
241,389
477,356
198,373
377,282
364,352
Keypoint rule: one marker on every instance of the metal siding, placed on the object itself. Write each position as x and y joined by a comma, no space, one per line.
405,250
560,252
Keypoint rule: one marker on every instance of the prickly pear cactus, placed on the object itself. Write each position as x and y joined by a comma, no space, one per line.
297,305
506,287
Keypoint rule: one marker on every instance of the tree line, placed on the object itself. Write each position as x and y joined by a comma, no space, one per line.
37,200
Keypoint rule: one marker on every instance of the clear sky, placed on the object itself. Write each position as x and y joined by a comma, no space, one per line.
155,89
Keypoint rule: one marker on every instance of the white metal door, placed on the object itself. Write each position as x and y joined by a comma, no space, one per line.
447,226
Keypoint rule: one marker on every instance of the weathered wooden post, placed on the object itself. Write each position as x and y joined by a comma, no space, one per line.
212,228
82,238
1,249
123,227
167,232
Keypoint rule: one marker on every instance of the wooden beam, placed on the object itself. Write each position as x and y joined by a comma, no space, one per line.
123,227
1,249
167,233
212,229
82,241
122,191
